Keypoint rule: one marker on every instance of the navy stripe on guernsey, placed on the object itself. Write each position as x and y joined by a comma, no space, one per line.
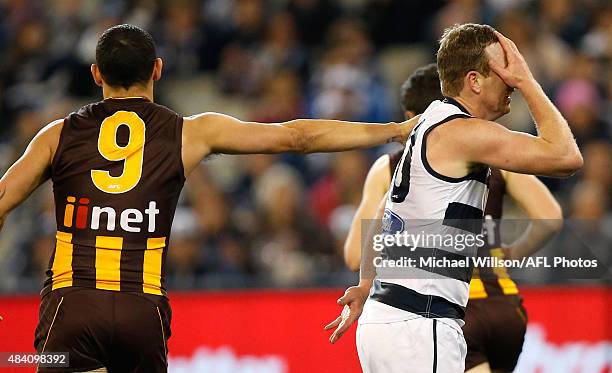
429,306
463,216
458,273
435,346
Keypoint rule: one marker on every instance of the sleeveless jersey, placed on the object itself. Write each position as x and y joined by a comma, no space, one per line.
423,201
117,175
485,282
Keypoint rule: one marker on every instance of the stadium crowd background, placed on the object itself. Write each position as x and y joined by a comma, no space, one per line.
267,220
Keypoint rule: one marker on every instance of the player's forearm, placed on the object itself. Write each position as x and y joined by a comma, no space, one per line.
367,269
9,199
535,237
318,135
552,127
5,207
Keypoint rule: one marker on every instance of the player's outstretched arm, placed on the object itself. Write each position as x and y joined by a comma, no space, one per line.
208,133
533,197
375,187
30,171
552,152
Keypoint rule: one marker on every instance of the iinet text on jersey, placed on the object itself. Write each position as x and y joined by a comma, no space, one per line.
130,220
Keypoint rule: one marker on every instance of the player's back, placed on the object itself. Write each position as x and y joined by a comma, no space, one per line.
117,175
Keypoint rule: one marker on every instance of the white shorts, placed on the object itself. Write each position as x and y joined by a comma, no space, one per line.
418,345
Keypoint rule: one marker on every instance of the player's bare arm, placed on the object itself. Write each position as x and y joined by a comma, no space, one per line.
209,133
30,171
375,187
553,152
534,198
355,297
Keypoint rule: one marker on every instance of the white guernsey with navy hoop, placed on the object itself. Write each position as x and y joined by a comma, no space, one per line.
427,300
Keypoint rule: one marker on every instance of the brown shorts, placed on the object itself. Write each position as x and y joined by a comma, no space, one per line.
124,332
494,331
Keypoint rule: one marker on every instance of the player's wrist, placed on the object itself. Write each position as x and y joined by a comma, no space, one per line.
527,85
365,284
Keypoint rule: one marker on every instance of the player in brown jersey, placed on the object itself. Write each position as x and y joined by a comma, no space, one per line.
495,320
117,168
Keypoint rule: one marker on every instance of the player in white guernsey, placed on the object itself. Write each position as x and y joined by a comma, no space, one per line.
412,322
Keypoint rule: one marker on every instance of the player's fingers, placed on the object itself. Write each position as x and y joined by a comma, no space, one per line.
510,48
344,300
501,71
506,45
334,323
343,327
338,332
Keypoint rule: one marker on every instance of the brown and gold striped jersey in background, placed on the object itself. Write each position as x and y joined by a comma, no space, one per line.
117,175
485,282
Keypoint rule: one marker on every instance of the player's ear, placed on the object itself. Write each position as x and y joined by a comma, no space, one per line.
473,81
157,68
97,76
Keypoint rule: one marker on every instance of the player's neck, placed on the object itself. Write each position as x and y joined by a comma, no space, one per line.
134,91
472,107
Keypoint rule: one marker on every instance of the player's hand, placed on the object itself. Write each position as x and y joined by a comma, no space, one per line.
517,72
406,128
352,301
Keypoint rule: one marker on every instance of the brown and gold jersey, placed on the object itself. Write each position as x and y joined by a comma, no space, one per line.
117,175
485,282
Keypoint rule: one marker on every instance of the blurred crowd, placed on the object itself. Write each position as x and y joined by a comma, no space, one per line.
268,220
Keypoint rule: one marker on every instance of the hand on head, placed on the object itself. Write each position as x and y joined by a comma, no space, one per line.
516,72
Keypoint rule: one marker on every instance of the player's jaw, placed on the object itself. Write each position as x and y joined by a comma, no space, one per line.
496,97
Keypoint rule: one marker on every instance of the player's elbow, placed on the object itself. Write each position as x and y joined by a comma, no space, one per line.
352,262
297,139
575,162
352,258
561,164
552,219
569,164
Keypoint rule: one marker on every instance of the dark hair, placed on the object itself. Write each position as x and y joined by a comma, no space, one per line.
125,55
421,88
462,49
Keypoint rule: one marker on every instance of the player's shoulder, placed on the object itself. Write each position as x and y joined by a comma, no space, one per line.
47,138
380,172
381,163
469,128
51,129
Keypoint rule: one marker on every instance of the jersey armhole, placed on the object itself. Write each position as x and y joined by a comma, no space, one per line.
428,168
60,147
179,132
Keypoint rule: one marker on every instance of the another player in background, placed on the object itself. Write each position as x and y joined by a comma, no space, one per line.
413,323
118,167
495,321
